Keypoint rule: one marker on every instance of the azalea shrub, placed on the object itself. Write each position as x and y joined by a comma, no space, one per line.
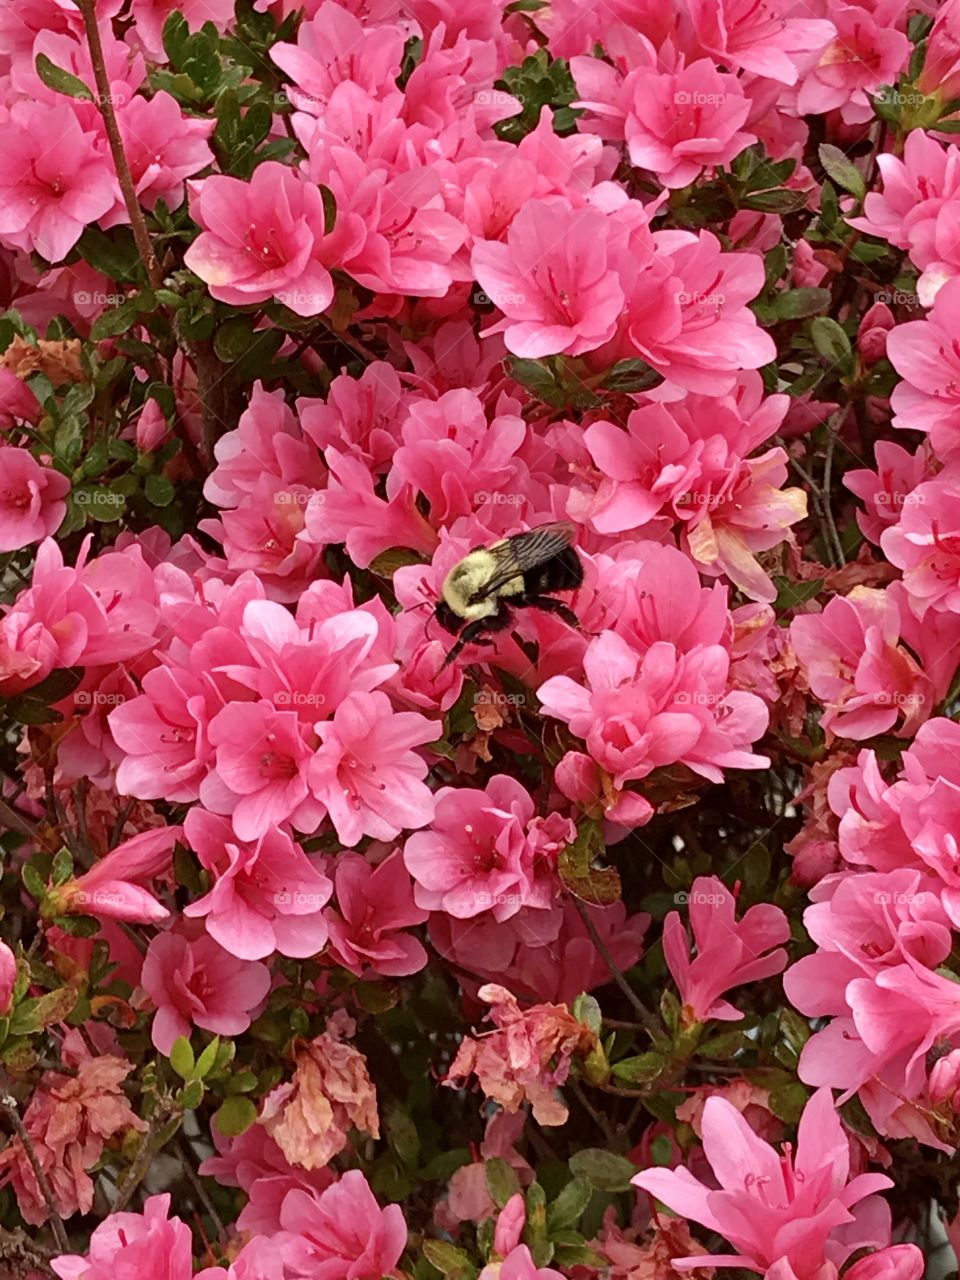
607,951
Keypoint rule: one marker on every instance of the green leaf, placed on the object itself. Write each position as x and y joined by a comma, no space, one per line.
602,1169
114,254
502,1180
235,1116
630,375
726,1045
116,321
207,1058
598,886
449,1260
830,340
181,1057
780,200
158,489
34,883
842,170
242,1082
661,1149
403,1136
42,1011
62,867
68,441
586,1009
61,81
567,1209
797,304
387,563
790,594
787,1101
643,1069
233,338
191,1095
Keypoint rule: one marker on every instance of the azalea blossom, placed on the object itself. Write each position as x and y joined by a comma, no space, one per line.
774,1209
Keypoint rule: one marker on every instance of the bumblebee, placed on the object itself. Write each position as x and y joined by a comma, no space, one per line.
481,593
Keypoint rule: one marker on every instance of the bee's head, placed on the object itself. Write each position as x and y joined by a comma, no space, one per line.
447,618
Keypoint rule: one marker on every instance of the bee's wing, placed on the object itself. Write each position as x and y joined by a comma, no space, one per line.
525,551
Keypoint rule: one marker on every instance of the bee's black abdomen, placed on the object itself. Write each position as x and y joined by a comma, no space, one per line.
562,572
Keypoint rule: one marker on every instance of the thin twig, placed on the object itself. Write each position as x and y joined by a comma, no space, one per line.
141,1164
832,429
646,1017
124,177
202,1195
598,1118
28,1256
9,1105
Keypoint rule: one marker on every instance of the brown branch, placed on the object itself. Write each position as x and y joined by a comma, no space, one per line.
201,1191
141,1164
646,1017
9,1105
25,1255
105,103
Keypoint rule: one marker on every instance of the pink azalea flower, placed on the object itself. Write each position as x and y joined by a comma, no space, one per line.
32,499
941,66
147,1244
678,125
926,354
375,904
856,667
773,1207
266,897
334,46
162,734
917,189
878,1047
260,779
8,978
195,982
163,147
641,713
410,237
112,889
362,415
267,439
267,239
367,774
886,491
686,310
763,40
101,612
552,280
865,53
259,1259
53,180
342,1233
526,1058
485,851
925,544
518,1264
255,1163
729,952
17,401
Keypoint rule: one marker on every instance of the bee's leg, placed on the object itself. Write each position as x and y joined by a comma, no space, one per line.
473,632
546,604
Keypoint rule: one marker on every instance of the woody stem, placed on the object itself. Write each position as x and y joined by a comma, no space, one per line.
644,1014
105,103
9,1105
